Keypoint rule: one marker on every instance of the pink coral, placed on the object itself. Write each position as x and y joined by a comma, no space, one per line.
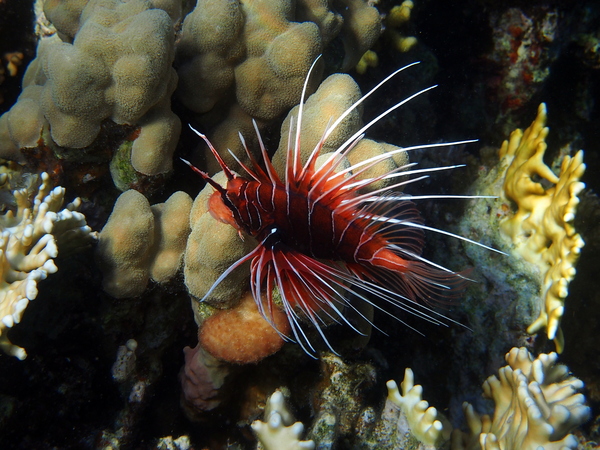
201,378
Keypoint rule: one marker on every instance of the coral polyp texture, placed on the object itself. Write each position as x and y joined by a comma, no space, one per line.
34,228
211,248
279,431
333,97
540,226
536,406
110,60
142,242
241,334
261,51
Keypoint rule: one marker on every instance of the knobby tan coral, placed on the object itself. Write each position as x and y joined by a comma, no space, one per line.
536,406
395,22
261,51
31,236
212,247
540,227
110,60
334,96
140,242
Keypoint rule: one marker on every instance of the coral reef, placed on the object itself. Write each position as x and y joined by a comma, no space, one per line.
34,228
541,229
422,419
494,62
262,51
536,406
237,62
279,430
110,60
140,242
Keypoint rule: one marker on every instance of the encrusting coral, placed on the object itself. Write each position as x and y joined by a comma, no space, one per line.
34,228
241,335
536,406
279,431
201,378
541,229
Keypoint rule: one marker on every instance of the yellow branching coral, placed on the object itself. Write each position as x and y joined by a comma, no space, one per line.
31,235
398,16
536,407
395,21
541,228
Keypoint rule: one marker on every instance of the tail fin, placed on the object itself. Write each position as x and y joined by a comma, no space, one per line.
414,280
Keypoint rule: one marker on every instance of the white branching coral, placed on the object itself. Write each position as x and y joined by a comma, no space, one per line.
279,432
537,405
33,227
423,420
541,229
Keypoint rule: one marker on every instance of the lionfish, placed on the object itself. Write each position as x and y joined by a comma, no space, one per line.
319,239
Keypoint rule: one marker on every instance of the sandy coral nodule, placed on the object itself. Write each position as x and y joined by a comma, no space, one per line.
140,242
241,335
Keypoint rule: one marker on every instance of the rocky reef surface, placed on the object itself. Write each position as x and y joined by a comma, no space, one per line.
95,101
